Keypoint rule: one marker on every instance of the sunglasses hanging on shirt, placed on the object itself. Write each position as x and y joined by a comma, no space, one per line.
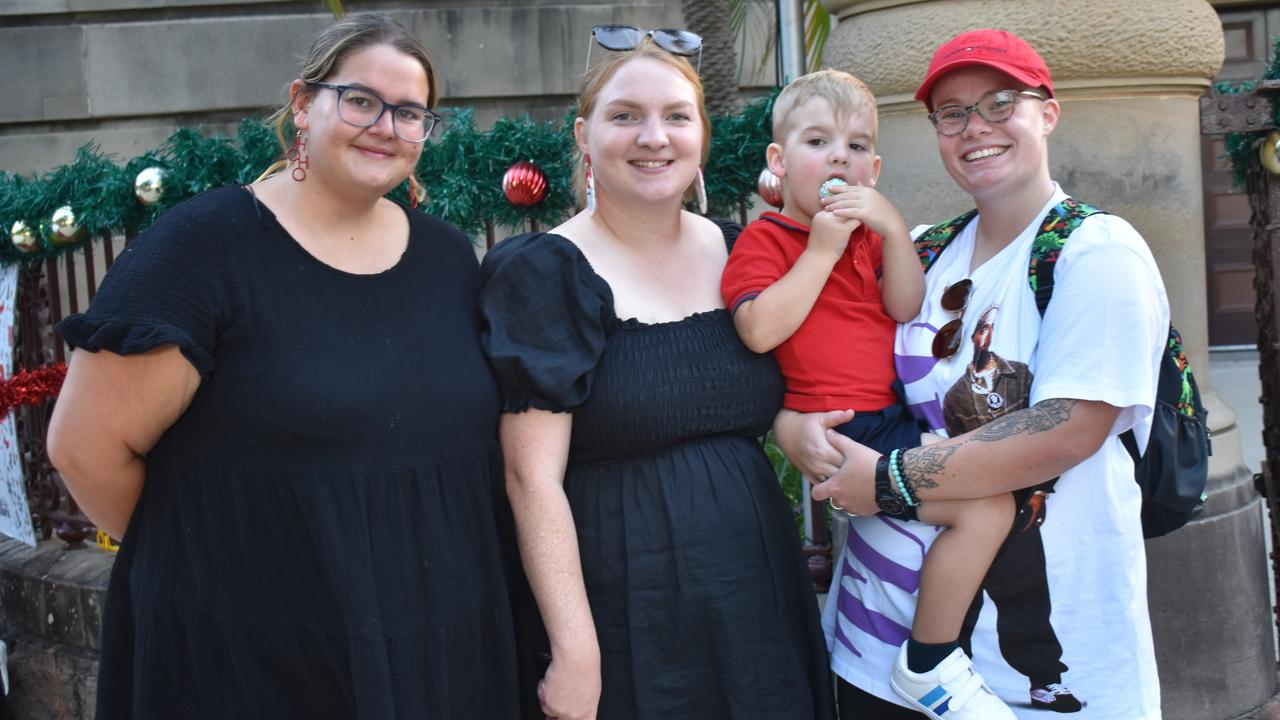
954,299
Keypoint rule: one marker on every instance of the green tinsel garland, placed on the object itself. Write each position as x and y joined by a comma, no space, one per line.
462,171
738,143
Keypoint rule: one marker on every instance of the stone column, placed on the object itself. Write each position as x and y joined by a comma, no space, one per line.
1128,74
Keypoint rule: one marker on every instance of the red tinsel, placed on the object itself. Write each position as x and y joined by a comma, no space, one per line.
31,387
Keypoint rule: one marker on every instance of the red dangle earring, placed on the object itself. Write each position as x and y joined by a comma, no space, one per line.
297,154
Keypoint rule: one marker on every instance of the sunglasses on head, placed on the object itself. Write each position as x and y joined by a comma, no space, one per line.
954,299
620,38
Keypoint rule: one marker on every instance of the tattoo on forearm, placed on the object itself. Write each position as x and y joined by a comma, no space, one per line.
923,466
1041,417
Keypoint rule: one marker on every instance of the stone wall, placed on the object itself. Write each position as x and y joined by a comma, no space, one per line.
51,603
126,73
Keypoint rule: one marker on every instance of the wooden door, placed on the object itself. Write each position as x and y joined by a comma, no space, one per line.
1248,34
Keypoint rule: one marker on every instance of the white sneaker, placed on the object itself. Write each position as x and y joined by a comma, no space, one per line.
951,691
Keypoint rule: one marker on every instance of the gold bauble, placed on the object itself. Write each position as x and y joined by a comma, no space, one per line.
65,228
1267,153
22,237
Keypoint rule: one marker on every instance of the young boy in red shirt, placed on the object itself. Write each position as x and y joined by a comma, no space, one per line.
823,284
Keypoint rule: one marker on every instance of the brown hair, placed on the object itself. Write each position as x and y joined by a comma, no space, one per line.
844,92
352,34
599,74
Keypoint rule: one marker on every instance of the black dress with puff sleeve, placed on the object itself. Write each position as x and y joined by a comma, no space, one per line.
316,533
690,555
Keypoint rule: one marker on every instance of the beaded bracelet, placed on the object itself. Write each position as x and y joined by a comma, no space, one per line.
895,470
902,477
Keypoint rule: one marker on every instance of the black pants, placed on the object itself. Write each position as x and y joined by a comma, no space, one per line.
1019,588
857,704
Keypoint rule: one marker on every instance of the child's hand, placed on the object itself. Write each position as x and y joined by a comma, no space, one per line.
830,233
866,205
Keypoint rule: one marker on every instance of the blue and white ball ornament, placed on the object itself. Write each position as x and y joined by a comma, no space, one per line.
829,186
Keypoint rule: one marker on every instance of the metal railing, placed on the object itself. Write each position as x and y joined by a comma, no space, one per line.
48,292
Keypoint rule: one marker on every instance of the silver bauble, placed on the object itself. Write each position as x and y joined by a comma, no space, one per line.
149,185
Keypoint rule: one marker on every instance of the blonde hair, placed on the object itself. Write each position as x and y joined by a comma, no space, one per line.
333,45
844,92
598,75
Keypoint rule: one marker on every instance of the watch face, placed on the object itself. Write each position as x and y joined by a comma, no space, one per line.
891,503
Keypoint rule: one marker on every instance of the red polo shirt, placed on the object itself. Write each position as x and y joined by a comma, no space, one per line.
841,357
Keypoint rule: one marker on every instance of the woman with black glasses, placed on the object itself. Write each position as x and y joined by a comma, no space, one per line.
278,401
662,555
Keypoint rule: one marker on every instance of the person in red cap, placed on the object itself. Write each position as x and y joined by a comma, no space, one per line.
1068,591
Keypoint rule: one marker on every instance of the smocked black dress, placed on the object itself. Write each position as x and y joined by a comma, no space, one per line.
690,555
316,534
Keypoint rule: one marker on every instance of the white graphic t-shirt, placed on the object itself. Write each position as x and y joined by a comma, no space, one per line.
1064,608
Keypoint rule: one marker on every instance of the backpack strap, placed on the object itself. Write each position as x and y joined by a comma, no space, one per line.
1057,225
1061,220
1130,442
933,241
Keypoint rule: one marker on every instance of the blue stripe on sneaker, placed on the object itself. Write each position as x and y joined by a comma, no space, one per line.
933,696
941,709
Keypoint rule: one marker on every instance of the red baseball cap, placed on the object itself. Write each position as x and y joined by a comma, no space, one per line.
997,49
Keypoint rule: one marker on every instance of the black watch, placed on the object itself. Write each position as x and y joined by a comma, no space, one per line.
887,499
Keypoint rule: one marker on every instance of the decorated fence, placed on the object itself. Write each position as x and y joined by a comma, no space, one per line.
1249,115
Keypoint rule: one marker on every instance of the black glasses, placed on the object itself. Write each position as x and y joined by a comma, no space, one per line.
628,37
954,299
994,107
363,108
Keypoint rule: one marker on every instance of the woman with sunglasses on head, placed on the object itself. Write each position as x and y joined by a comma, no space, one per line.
662,555
1034,393
278,401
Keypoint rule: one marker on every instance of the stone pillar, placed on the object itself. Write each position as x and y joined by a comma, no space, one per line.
1128,74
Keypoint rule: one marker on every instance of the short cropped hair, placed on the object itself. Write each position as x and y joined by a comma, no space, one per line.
843,91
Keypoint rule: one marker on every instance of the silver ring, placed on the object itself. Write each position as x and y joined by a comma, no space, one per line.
834,506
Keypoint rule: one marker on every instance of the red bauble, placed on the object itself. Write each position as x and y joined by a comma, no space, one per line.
524,184
770,188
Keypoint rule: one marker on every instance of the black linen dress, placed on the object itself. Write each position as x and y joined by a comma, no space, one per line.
316,533
691,558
